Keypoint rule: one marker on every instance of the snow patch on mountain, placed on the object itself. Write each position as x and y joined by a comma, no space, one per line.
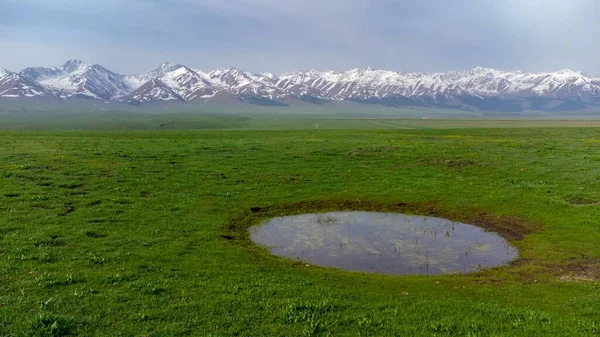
185,83
14,85
153,90
245,83
77,78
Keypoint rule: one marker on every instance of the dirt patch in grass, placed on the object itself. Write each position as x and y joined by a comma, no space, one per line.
582,202
510,228
361,151
578,278
586,269
455,163
256,210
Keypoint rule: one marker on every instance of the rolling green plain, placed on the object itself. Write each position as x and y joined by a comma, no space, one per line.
143,230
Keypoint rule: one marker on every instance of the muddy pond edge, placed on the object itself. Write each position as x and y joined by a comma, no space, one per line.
237,230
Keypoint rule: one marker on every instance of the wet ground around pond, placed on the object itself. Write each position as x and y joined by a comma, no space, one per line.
386,243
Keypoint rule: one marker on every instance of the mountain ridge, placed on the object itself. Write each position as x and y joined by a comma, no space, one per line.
479,88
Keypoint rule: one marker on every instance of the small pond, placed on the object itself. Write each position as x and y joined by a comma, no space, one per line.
385,243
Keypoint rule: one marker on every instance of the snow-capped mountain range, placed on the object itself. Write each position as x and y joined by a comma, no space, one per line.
474,89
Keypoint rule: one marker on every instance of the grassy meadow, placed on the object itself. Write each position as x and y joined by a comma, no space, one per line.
144,233
283,119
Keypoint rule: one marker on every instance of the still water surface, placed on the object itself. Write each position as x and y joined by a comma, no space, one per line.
384,243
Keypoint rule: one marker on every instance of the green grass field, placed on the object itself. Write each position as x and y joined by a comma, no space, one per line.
274,120
144,233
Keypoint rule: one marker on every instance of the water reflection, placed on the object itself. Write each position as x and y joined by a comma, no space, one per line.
384,243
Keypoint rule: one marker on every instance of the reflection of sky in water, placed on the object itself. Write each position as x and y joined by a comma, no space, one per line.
384,243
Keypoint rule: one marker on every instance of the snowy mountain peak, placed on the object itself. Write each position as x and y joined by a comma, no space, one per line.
479,88
4,72
14,85
568,75
230,71
165,66
268,76
77,78
163,69
168,82
40,73
73,65
568,71
153,90
480,69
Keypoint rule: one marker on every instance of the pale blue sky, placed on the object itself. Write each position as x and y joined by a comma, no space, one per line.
281,35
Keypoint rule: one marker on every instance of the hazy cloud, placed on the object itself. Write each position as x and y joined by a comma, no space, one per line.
281,35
